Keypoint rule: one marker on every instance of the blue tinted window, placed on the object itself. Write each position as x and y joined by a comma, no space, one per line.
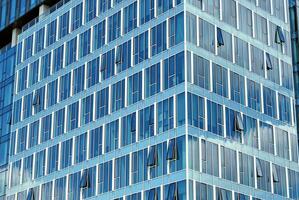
201,72
146,10
246,169
46,128
165,115
95,142
80,148
51,35
220,80
93,72
74,186
121,173
28,47
66,154
102,102
33,72
250,132
33,134
73,110
118,95
237,87
135,88
146,122
52,93
46,191
58,59
90,11
64,24
233,130
269,102
84,39
152,80
60,188
254,95
22,138
123,56
27,169
46,65
77,16
105,177
78,79
158,38
111,136
284,108
99,34
114,26
196,111
130,17
64,87
87,110
52,159
140,48
266,137
40,163
71,49
176,28
128,129
215,118
107,65
228,164
139,166
39,40
59,120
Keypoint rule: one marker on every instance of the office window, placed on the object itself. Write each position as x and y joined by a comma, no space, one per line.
52,93
223,194
229,13
107,65
121,173
287,75
102,97
156,160
228,164
123,56
46,128
84,42
22,82
294,147
237,87
146,122
51,32
212,7
39,40
278,9
40,164
191,28
176,29
27,106
60,188
22,138
111,136
206,35
163,6
46,191
257,61
76,19
52,159
176,154
118,95
201,72
158,38
165,115
234,125
33,72
73,191
196,111
282,143
73,110
284,108
254,95
265,5
58,59
90,9
193,150
293,178
263,175
128,129
245,20
224,44
78,79
59,120
152,80
27,169
154,193
175,190
220,80
272,68
266,137
241,53
99,34
146,10
15,173
114,25
64,87
203,191
71,49
17,111
209,158
152,157
92,72
279,180
215,118
246,169
261,25
80,148
250,131
139,166
269,102
104,5
87,110
33,134
28,47
64,21
45,66
173,70
134,88
105,177
96,142
66,154
140,48
90,186
130,17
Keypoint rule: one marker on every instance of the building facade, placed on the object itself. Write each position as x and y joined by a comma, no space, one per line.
155,99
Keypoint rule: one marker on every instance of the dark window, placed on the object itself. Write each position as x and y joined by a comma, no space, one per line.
279,36
172,150
152,157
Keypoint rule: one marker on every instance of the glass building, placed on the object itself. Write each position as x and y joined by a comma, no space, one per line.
155,99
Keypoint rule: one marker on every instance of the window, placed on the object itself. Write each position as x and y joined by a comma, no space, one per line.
234,125
28,47
282,143
294,147
128,130
59,120
284,108
220,80
16,173
257,61
99,34
58,59
27,106
165,115
22,82
140,48
60,188
139,166
254,95
279,180
111,139
90,182
215,118
118,95
130,17
152,80
201,72
206,35
209,158
71,49
104,5
212,7
203,191
279,36
84,39
223,194
152,194
224,44
92,72
196,111
95,142
121,173
293,178
52,93
269,65
163,6
261,25
263,175
123,56
193,150
228,164
250,131
17,111
46,128
78,79
171,150
241,53
191,28
64,24
102,102
105,177
114,26
269,102
90,12
266,137
66,154
40,164
146,122
245,20
73,116
52,159
30,195
39,40
33,134
64,86
237,88
173,70
134,88
176,29
84,181
107,65
152,157
158,38
74,186
45,66
22,138
146,10
287,75
87,110
77,16
246,169
46,191
51,32
230,13
180,109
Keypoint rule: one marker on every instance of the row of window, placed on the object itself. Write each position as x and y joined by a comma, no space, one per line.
112,62
210,158
234,49
142,165
74,18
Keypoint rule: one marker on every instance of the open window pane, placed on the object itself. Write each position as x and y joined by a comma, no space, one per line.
274,174
152,194
152,157
220,41
30,195
84,182
239,126
268,62
259,171
118,55
172,191
36,99
172,150
279,36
